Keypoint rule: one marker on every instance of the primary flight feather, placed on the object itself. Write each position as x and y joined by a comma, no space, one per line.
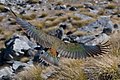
68,50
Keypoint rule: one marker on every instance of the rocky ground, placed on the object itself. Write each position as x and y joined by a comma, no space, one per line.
86,21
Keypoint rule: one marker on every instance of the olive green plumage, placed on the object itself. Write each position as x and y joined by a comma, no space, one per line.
68,50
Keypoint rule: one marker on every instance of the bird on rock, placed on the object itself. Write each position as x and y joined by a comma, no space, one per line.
58,47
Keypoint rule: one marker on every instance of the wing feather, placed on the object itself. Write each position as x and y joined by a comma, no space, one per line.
78,51
71,50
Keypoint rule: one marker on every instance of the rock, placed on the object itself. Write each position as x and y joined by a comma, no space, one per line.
6,78
22,12
93,7
13,2
19,66
60,7
1,58
107,31
94,11
116,26
37,59
16,46
87,4
85,39
73,9
2,37
118,15
57,33
82,16
21,43
101,38
98,26
6,71
64,26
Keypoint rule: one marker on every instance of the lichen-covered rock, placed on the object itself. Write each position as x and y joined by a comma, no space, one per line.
16,46
83,17
6,71
97,27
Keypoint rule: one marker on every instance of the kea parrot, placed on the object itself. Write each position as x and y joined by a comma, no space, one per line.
58,47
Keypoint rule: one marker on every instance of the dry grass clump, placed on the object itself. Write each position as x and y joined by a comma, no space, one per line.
2,8
33,1
68,70
89,14
59,2
1,30
115,44
33,73
1,18
38,24
80,33
56,21
83,10
111,6
43,15
59,13
75,17
29,17
24,59
117,11
105,67
50,29
78,5
8,34
101,12
50,18
81,23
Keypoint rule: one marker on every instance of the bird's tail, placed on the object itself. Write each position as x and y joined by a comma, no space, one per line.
49,59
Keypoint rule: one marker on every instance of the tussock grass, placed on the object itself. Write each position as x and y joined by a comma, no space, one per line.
29,16
80,33
83,10
56,21
24,59
2,7
105,67
50,29
43,15
1,18
50,18
1,30
111,6
34,73
101,12
33,1
89,14
38,24
68,70
75,17
115,41
59,2
81,23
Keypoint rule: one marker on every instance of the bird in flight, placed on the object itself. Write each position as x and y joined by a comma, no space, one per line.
59,47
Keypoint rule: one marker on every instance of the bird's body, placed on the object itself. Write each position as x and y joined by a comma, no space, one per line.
68,50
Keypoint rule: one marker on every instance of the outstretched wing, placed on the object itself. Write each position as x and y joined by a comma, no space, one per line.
70,50
77,51
39,36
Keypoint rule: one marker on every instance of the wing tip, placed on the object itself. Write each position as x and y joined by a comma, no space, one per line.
105,47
